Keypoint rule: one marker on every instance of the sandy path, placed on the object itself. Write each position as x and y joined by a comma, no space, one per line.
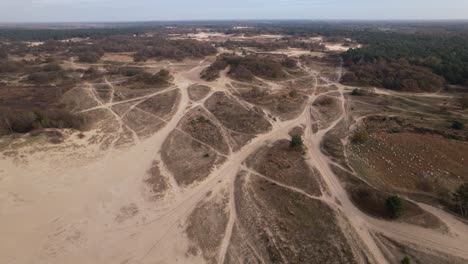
69,215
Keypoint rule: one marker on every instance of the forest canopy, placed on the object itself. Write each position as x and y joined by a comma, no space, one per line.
396,60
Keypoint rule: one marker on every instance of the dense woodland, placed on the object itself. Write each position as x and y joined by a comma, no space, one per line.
409,61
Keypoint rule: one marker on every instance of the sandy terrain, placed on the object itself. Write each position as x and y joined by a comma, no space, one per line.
59,208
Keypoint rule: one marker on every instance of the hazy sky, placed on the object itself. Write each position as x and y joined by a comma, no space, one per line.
144,10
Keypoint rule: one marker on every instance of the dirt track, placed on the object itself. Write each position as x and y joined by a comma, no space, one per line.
61,214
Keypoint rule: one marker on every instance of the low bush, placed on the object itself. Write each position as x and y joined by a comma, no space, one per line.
159,79
394,205
89,57
458,125
360,136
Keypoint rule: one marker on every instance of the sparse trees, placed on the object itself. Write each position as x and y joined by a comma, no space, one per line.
460,197
394,205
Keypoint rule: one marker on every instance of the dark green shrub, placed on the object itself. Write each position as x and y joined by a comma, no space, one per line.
357,92
405,260
296,142
394,205
458,125
293,93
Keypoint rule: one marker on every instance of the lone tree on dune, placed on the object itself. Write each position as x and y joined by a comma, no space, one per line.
394,206
460,197
405,260
296,142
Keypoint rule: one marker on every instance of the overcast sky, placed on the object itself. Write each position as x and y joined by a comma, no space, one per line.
145,10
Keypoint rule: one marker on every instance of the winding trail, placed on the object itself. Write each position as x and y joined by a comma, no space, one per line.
75,222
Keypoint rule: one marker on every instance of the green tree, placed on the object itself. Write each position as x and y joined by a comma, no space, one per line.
394,206
460,197
296,142
406,260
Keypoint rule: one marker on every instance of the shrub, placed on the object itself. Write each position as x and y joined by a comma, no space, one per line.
464,102
289,63
361,136
458,125
293,93
39,77
357,92
242,73
405,260
394,205
296,142
160,78
460,198
130,71
92,73
89,57
52,67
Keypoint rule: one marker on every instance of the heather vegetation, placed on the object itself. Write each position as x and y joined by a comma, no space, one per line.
286,42
246,68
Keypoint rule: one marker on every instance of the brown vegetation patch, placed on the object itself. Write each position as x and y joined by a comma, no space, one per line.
235,116
245,68
187,159
332,144
162,105
32,97
198,125
156,181
395,251
120,57
296,131
413,162
142,123
206,226
126,212
284,226
285,104
198,92
240,249
329,109
23,109
372,202
285,165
